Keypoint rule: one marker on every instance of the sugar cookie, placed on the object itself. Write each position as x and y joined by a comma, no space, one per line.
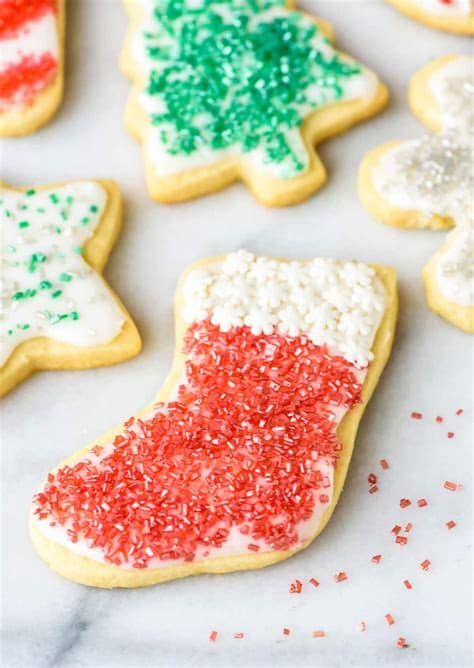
57,311
31,63
450,15
241,459
428,182
228,90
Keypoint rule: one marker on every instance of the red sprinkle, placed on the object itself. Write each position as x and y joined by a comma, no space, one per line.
340,577
402,643
213,636
376,559
451,434
408,584
384,464
421,503
439,419
396,529
408,527
319,634
460,411
314,582
253,548
372,478
401,540
373,489
296,587
390,619
451,486
416,416
404,503
451,524
20,82
363,626
238,636
286,632
16,14
256,414
425,564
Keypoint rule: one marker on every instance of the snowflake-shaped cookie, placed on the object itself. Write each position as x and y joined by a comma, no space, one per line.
428,182
55,309
450,15
238,89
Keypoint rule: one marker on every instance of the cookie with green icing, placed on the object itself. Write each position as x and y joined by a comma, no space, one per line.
238,89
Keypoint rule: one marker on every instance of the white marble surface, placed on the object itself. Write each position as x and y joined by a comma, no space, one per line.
50,622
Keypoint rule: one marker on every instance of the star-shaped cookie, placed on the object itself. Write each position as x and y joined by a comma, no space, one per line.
56,310
227,90
428,182
455,16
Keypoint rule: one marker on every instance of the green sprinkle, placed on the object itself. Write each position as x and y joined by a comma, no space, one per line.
74,315
65,277
69,199
54,198
23,207
78,250
58,230
35,259
85,220
10,332
93,208
30,192
18,295
56,293
45,285
8,213
23,326
64,215
40,209
23,224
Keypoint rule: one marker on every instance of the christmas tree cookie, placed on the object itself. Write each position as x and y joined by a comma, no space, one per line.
31,63
227,90
56,310
451,15
428,182
241,459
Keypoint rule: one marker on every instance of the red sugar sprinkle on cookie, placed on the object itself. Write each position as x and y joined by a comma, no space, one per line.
296,587
450,434
390,619
286,632
401,540
340,577
396,529
460,411
404,503
319,634
20,82
363,626
384,464
402,643
451,524
373,489
213,636
416,416
238,636
314,582
439,419
376,559
15,15
372,478
451,486
425,565
422,503
408,584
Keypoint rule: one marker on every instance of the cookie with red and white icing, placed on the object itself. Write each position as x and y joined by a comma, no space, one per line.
428,182
240,461
31,63
451,15
233,90
56,312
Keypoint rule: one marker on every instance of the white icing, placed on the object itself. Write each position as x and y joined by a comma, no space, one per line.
362,85
58,240
34,39
339,304
454,8
435,175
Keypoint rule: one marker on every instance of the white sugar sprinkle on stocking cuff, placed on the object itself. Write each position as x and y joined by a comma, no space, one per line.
334,303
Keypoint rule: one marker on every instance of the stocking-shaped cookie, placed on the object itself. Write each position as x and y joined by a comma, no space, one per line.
56,310
31,63
428,182
231,89
451,15
241,460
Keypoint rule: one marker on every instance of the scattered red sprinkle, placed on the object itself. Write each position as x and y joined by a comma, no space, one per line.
213,636
286,632
396,529
408,584
324,498
238,636
376,559
372,478
404,503
401,540
460,411
416,416
319,634
451,524
255,413
390,619
373,489
16,14
314,582
363,626
408,527
422,502
451,486
402,643
296,587
425,564
384,464
340,577
20,82
252,547
439,419
450,434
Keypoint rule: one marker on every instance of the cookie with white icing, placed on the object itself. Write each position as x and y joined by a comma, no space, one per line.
31,63
231,90
455,16
57,312
240,460
428,182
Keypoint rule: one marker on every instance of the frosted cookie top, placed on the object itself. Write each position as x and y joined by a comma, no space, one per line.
47,289
446,7
334,303
28,49
453,88
230,78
